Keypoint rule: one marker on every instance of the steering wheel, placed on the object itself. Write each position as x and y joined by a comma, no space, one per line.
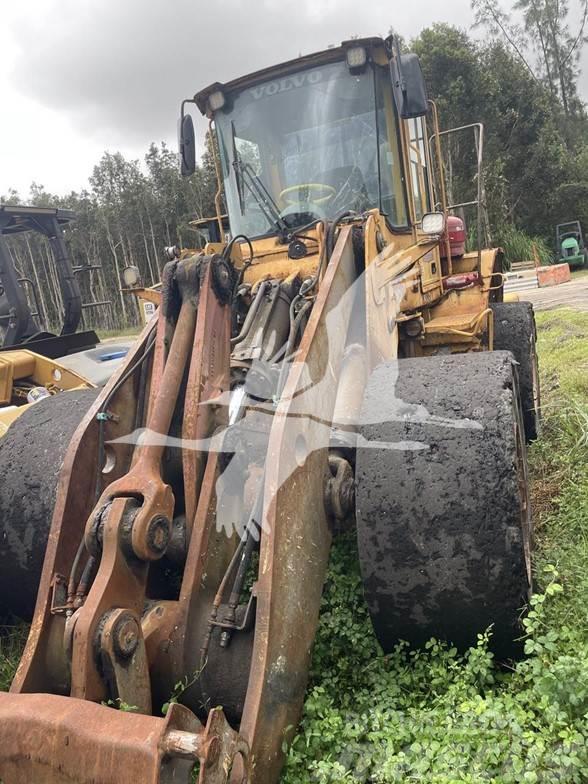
327,190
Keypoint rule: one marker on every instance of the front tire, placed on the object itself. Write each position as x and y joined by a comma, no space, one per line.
443,517
31,456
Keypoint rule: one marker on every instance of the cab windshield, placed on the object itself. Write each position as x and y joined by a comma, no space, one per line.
308,146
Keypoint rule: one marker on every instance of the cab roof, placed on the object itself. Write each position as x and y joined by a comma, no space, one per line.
306,61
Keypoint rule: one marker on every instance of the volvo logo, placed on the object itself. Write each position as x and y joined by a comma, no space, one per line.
285,84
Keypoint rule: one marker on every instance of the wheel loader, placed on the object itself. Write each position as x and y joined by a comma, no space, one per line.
330,366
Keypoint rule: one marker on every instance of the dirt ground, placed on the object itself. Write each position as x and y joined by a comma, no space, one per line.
567,295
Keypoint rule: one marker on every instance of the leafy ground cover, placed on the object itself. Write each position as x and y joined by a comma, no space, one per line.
435,716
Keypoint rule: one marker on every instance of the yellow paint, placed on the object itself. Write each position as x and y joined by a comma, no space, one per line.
21,370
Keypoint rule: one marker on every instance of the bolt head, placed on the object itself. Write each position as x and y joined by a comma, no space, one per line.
158,535
126,634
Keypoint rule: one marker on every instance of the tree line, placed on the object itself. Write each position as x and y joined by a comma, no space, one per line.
520,81
127,216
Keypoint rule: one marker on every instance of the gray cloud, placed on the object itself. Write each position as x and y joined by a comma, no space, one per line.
119,68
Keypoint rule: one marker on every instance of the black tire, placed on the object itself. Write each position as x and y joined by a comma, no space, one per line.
443,519
515,330
31,456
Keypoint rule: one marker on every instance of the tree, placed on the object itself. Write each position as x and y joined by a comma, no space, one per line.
526,157
542,41
128,216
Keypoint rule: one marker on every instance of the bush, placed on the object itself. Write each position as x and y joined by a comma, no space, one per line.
519,246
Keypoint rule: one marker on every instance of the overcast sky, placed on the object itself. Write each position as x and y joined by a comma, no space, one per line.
82,76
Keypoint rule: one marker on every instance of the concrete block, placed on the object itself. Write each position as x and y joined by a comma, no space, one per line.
553,275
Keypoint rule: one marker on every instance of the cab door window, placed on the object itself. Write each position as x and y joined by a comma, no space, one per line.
419,174
391,173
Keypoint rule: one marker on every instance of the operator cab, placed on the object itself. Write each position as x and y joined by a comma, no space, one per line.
314,138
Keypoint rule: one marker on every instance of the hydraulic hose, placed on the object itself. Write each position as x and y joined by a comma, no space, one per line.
332,228
251,313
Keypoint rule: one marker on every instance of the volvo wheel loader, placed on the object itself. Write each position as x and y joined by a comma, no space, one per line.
331,364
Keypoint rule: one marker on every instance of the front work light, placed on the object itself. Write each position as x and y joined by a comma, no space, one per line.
433,223
216,100
356,57
131,276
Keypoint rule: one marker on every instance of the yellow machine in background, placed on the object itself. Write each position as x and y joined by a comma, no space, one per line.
26,377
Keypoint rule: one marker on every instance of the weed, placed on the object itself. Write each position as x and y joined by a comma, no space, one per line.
13,635
519,246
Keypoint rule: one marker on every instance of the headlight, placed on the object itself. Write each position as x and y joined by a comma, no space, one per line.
356,57
216,100
433,223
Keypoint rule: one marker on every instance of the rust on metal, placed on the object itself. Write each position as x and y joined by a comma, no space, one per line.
208,378
60,740
108,638
42,667
120,581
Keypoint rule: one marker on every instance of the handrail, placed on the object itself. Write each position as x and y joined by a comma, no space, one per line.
478,129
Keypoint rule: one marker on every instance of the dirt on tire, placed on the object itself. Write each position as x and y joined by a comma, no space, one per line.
443,520
515,330
31,456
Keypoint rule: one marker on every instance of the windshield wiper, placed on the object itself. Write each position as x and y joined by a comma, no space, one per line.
244,175
237,167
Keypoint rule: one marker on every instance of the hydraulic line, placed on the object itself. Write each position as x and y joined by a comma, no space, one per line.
332,228
294,328
250,538
239,562
254,307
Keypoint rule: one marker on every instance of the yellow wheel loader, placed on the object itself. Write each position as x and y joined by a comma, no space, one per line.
332,365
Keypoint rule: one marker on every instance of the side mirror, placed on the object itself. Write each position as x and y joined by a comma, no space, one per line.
408,84
186,144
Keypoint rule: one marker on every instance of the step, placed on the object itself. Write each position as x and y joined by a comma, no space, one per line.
521,284
522,265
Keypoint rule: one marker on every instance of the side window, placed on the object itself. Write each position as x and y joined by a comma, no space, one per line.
419,175
392,183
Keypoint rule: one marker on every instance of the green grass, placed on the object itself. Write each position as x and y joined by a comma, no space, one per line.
13,636
112,334
436,716
519,246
